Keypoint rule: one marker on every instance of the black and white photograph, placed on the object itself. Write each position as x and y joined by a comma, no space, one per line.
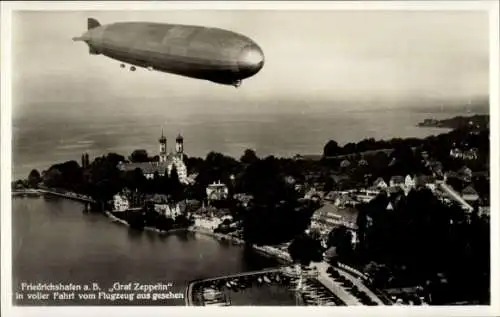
250,154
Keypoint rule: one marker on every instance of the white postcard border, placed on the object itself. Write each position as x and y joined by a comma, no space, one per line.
6,98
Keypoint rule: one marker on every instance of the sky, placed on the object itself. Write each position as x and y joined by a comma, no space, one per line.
311,57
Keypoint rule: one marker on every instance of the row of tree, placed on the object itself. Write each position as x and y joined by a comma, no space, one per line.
418,240
437,146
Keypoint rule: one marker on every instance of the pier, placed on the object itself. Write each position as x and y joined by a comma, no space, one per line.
38,192
189,289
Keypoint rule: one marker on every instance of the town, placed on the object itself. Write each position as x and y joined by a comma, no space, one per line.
408,216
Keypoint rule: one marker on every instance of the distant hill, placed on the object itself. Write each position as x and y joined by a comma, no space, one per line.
476,121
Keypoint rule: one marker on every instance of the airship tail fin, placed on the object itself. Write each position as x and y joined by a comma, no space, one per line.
92,23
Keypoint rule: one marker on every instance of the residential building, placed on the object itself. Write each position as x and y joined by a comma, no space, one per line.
120,202
217,191
396,181
243,198
380,183
366,195
329,216
469,194
171,211
409,181
465,173
345,164
426,181
464,154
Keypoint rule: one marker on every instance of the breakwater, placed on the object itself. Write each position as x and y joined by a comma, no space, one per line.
266,250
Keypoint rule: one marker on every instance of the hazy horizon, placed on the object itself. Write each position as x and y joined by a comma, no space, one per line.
343,75
314,59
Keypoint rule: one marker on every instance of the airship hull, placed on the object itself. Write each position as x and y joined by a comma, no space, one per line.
204,53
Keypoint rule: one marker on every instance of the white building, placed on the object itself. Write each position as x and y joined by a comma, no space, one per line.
168,210
366,195
166,162
217,191
120,203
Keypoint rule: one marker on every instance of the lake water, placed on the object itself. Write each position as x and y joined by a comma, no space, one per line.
42,138
55,241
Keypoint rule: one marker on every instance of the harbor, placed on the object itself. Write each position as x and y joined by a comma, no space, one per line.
262,288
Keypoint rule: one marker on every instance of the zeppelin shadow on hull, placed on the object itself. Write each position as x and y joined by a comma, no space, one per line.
212,54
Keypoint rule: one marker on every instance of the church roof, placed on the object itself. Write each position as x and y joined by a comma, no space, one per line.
146,167
162,138
378,181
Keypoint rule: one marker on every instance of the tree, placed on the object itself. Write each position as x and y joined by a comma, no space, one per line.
331,148
139,156
34,178
175,184
249,157
341,238
303,250
329,184
52,178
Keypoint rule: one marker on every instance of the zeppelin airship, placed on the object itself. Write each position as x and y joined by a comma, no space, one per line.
213,54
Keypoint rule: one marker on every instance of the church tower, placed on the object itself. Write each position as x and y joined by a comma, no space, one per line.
163,148
179,145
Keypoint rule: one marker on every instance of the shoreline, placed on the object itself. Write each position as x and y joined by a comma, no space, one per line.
265,250
151,229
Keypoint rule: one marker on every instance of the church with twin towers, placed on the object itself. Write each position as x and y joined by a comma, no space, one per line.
167,161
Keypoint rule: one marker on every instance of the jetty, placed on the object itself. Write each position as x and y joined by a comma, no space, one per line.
43,191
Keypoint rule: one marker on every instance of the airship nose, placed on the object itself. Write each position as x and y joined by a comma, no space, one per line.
250,60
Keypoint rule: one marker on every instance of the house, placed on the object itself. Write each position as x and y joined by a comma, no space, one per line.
380,183
167,210
409,181
366,195
426,181
362,162
465,172
217,191
290,180
396,181
243,198
466,155
331,196
329,216
469,194
347,202
120,202
484,211
345,164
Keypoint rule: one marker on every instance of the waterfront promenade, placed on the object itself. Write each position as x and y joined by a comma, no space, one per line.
323,277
